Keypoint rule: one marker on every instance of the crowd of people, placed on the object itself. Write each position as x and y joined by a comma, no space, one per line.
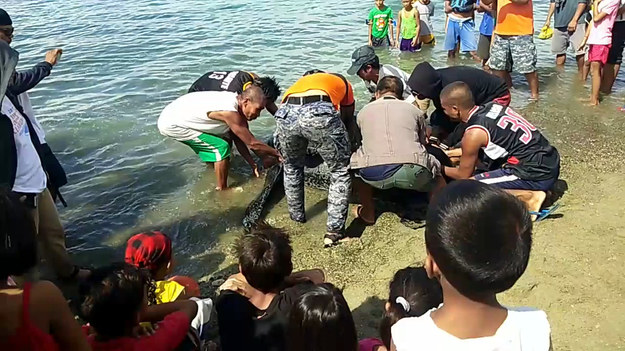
593,30
449,133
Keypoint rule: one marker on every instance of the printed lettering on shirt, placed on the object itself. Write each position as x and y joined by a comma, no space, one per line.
17,120
494,111
517,122
217,75
226,82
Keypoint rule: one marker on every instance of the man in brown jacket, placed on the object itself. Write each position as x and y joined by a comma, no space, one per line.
393,152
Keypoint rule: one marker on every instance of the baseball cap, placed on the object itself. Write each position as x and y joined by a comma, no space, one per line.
5,19
360,57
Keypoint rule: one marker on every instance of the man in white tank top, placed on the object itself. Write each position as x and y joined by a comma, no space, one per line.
208,121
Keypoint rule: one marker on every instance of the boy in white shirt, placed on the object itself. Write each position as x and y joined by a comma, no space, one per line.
478,241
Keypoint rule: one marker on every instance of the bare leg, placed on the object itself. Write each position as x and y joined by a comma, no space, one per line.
532,80
533,200
580,66
365,193
560,61
221,173
610,71
505,75
595,70
585,71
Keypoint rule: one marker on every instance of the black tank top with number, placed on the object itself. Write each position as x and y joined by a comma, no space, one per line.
234,81
516,142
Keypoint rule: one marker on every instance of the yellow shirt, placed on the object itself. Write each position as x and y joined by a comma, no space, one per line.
167,291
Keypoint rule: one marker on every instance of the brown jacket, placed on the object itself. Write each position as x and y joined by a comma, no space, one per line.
393,132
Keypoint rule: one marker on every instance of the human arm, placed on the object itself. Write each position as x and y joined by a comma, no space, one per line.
390,28
271,107
552,9
156,313
473,140
315,276
398,27
417,16
585,36
370,25
448,8
25,80
581,7
598,16
239,127
245,153
621,11
63,327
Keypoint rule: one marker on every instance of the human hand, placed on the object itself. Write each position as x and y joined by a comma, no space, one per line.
53,56
255,171
144,329
583,44
370,42
415,41
239,286
572,27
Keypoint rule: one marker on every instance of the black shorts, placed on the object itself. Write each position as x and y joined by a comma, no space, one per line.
615,56
377,42
483,47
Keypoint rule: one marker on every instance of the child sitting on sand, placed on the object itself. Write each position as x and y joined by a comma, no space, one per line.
478,240
254,305
153,251
426,11
408,27
411,294
35,316
380,23
321,320
115,299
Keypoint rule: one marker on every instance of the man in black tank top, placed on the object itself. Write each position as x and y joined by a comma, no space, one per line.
531,165
236,82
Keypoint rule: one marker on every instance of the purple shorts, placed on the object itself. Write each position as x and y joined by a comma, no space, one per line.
406,45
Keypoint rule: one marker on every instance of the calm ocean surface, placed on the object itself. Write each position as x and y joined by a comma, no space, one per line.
123,61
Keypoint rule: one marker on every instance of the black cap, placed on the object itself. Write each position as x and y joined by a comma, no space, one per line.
5,19
361,56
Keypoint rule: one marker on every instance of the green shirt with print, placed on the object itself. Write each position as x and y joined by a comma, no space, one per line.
380,20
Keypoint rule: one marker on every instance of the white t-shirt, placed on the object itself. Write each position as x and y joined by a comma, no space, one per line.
425,15
24,100
187,117
524,329
29,176
389,70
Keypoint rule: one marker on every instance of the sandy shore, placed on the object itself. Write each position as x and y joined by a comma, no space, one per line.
575,273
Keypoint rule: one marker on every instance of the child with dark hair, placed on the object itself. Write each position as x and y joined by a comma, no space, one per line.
411,294
320,320
478,241
35,316
115,300
254,304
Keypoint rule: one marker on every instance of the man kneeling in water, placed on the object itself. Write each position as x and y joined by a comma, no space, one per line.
393,152
531,165
207,121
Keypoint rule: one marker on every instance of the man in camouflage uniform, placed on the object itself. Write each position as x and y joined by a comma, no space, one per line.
312,116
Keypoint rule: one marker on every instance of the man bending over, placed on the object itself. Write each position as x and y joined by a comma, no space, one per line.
531,165
208,121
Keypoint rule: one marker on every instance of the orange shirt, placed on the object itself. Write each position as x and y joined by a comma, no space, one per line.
329,83
514,19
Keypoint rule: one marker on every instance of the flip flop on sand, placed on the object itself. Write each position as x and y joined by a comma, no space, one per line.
544,213
356,211
331,239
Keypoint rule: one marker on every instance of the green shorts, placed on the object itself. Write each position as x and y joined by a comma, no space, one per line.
209,148
409,176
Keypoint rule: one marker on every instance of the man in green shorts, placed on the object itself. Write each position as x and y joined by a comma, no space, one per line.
208,121
393,152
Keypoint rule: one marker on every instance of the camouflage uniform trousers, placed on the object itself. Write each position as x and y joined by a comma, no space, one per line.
513,52
318,126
